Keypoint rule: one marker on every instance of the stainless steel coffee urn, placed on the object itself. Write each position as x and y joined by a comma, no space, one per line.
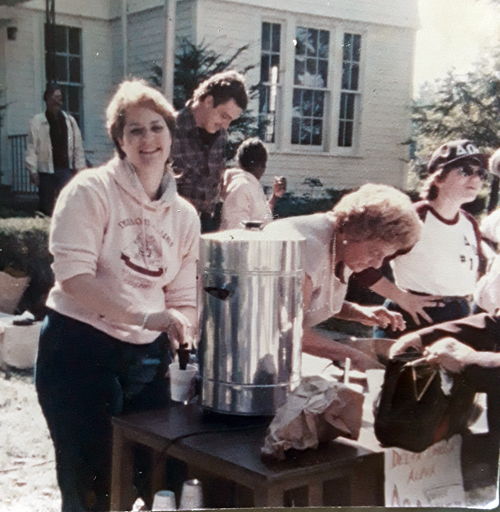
250,350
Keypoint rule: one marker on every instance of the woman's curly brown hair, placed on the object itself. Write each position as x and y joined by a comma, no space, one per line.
378,212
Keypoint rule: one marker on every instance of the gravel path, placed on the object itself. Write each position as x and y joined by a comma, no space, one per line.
27,471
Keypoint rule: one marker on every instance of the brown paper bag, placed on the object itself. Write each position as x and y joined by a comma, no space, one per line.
319,410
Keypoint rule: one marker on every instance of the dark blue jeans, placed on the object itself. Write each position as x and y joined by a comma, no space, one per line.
450,311
83,378
49,187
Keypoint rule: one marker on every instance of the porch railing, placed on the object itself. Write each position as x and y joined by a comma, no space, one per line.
20,177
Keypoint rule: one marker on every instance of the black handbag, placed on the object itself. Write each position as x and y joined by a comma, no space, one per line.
412,411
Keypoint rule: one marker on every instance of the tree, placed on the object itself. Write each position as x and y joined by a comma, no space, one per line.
194,63
460,107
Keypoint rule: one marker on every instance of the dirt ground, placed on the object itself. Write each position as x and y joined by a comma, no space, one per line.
27,469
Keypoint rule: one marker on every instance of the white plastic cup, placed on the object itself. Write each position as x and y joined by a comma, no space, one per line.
164,500
181,381
375,379
192,495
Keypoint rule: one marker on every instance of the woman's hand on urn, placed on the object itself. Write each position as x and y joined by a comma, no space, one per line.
174,323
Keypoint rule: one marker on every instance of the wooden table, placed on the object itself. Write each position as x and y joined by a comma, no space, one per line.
342,472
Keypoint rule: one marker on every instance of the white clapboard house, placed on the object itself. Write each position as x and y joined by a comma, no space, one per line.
335,75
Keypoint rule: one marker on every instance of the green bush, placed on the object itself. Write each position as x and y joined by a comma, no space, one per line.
291,205
24,250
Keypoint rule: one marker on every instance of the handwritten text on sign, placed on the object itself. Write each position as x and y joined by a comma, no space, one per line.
432,478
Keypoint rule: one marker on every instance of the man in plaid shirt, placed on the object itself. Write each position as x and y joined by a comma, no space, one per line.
199,142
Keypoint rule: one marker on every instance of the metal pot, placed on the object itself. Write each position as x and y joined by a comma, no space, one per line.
250,350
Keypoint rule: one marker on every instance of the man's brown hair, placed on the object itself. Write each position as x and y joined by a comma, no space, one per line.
223,87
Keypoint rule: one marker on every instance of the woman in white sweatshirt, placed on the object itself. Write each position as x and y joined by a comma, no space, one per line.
125,247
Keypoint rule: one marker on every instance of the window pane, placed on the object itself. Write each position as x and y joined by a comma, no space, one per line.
307,97
311,68
312,42
340,141
323,71
74,41
317,132
297,102
300,47
60,39
356,48
354,77
346,67
264,98
310,72
347,47
275,62
305,132
295,130
73,99
61,68
343,101
74,70
264,68
324,40
68,70
266,36
348,134
299,71
276,45
349,106
318,104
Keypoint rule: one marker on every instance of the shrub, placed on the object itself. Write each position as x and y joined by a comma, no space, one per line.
24,250
291,205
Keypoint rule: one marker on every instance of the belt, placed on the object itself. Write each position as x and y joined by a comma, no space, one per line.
445,299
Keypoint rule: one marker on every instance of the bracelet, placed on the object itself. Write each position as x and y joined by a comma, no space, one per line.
143,325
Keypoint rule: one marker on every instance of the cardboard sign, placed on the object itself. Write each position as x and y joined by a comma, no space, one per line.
432,478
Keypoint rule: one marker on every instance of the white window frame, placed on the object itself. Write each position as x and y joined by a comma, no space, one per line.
274,83
65,84
354,149
326,90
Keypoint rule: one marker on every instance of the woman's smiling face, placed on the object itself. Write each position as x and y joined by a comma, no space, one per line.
146,139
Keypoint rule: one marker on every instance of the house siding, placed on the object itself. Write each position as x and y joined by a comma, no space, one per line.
388,32
146,39
185,20
385,86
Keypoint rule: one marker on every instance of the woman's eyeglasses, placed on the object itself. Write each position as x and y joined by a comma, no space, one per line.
468,170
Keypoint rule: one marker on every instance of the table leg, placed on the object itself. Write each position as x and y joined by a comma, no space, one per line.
122,472
158,472
267,497
367,485
315,494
